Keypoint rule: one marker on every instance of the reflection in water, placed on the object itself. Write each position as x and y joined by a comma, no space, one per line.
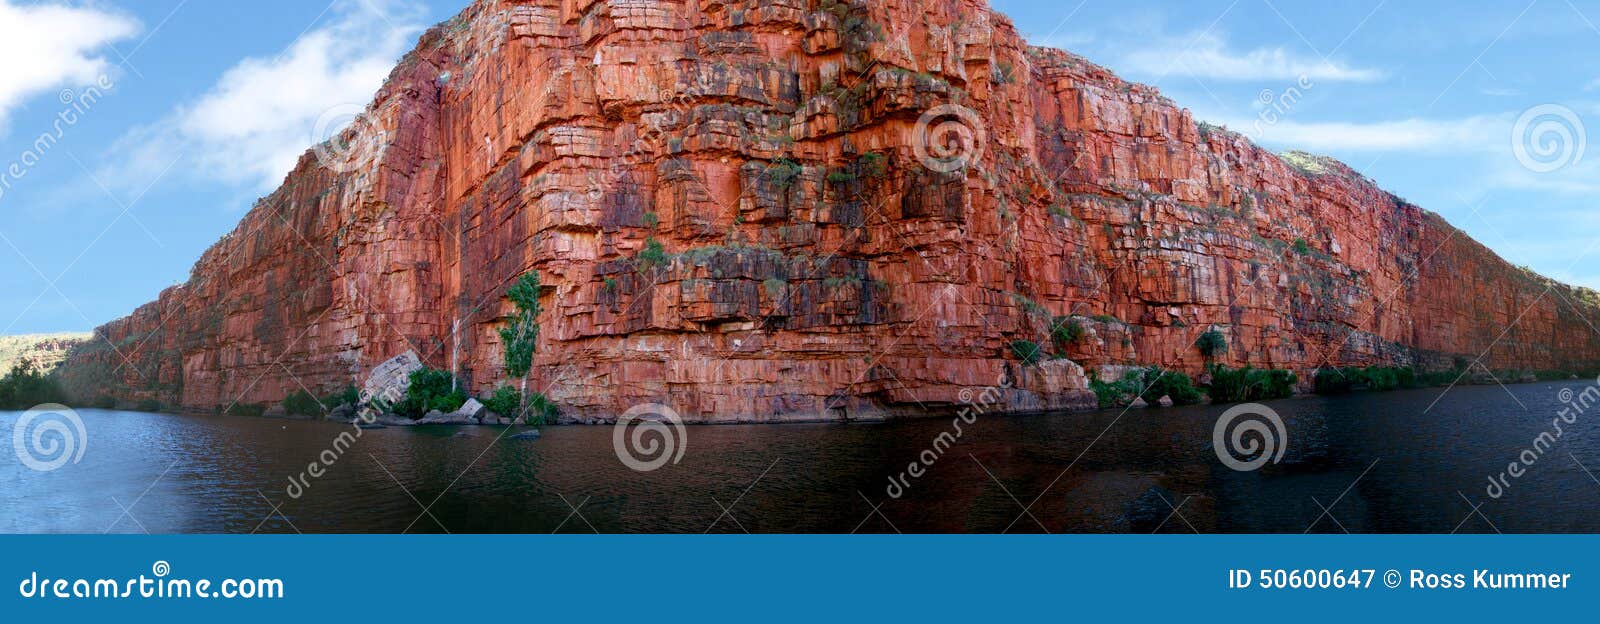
1374,462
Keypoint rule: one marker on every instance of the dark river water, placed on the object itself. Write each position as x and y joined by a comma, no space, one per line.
1377,463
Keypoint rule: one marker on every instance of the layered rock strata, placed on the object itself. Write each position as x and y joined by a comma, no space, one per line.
768,210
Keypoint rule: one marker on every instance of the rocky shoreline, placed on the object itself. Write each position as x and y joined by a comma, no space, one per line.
346,414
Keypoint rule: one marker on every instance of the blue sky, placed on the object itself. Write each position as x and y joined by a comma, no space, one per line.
209,103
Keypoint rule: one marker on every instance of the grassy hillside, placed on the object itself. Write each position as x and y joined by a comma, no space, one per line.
45,350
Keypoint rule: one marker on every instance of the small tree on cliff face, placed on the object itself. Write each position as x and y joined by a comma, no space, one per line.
1212,343
521,335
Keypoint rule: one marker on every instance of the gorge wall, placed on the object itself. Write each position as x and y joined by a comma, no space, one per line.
738,210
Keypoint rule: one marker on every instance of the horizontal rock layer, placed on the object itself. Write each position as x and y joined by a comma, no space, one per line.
733,211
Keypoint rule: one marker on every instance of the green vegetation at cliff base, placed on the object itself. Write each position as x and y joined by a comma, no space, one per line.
1235,385
26,386
1226,385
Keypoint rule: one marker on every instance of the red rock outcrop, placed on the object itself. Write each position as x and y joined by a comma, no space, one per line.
736,211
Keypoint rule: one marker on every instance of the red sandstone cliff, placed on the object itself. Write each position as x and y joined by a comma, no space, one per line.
812,266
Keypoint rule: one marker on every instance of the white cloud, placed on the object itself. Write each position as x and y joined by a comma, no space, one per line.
1480,143
251,127
1207,55
1481,132
51,46
1063,41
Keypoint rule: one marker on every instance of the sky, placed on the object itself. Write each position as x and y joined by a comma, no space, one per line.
165,119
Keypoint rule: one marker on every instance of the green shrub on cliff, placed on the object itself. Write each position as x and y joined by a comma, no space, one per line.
520,336
348,396
521,333
653,254
506,401
1171,384
1065,330
872,165
1027,350
1117,393
783,172
1212,343
430,389
302,403
1149,384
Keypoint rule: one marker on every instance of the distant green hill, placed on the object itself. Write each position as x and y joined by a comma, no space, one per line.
45,350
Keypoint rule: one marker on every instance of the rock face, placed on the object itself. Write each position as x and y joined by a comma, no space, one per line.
807,209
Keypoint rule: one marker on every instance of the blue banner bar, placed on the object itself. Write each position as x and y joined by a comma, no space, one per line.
663,578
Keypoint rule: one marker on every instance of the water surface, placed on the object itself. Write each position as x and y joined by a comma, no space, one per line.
1378,462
